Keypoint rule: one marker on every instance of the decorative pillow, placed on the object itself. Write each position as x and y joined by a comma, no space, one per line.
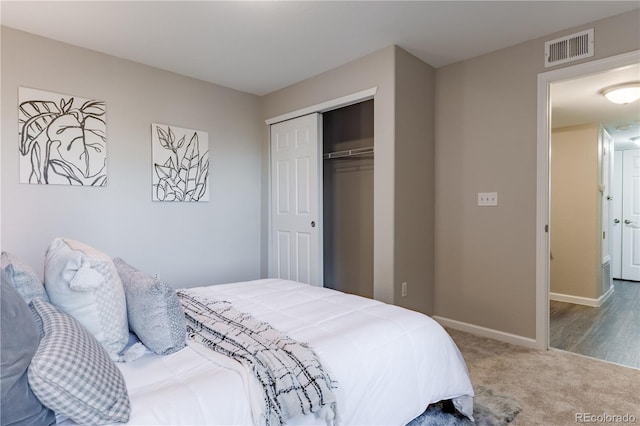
154,310
72,373
19,340
20,275
84,283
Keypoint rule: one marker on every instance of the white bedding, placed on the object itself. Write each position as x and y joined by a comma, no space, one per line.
390,362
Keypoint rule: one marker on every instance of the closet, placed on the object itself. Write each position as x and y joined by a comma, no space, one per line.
347,146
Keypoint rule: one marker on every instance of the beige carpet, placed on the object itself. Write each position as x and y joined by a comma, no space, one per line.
552,387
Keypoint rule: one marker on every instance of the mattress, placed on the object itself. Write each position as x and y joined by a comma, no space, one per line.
390,363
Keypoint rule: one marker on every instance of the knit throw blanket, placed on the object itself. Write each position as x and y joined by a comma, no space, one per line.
290,373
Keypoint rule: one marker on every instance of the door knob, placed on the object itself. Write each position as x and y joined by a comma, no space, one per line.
627,222
616,220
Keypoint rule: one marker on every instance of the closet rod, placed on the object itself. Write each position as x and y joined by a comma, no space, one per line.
348,153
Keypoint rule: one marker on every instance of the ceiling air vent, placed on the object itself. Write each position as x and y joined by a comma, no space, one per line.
569,48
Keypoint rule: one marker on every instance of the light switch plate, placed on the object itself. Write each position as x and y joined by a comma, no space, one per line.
487,199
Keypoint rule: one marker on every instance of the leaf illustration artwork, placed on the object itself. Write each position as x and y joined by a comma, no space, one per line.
63,139
180,163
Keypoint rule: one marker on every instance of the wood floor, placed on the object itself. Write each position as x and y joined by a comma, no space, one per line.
610,332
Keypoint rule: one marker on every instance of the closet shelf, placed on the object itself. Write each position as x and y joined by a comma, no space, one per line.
348,153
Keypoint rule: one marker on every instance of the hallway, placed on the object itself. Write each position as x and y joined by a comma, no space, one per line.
610,333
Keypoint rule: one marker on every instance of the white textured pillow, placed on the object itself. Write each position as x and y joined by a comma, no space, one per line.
84,283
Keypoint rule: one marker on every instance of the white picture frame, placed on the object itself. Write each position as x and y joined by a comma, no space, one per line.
62,139
180,159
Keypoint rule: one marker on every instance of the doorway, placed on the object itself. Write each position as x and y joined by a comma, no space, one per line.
572,315
348,151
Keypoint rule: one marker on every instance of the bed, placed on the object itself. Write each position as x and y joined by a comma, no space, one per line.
389,363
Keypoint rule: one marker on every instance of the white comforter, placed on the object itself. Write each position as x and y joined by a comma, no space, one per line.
390,362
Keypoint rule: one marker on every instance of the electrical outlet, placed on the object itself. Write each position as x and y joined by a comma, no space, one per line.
404,289
156,276
487,199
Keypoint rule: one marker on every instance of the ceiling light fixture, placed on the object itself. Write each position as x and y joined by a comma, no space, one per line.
622,93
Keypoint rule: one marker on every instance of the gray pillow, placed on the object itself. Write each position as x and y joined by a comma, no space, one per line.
22,277
19,341
154,310
72,373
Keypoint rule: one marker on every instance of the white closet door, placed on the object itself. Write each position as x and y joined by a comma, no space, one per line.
296,243
631,215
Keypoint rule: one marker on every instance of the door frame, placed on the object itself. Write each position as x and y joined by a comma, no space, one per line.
545,80
616,234
320,108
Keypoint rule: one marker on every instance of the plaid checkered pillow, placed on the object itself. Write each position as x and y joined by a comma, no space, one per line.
71,372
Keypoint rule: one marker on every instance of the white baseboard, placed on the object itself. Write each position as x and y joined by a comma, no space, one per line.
578,300
489,332
605,296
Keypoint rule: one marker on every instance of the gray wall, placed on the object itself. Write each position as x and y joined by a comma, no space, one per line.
187,244
485,272
414,182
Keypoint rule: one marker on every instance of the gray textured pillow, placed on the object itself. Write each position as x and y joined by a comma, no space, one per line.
19,341
154,310
22,277
72,373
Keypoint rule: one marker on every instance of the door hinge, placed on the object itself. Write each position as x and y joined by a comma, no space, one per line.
546,228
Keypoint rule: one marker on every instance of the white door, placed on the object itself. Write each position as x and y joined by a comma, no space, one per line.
631,215
296,243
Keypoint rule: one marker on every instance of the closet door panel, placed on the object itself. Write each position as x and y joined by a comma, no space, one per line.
282,185
304,191
284,255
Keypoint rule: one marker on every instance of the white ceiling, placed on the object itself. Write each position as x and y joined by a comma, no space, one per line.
261,46
578,101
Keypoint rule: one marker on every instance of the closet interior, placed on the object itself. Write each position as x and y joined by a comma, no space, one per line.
348,198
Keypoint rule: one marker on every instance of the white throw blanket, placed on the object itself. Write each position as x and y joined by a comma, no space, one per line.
292,377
